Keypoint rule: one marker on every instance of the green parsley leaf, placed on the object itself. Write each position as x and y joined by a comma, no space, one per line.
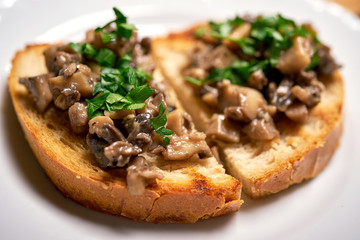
158,124
77,47
120,17
125,61
123,29
115,98
140,94
105,57
94,104
199,32
195,81
134,106
315,60
107,37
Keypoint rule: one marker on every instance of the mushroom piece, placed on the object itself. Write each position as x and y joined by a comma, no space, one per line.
220,57
310,95
210,95
239,103
207,57
142,60
327,64
140,174
82,80
241,31
297,112
221,128
140,130
104,128
297,57
282,97
175,122
39,88
66,98
152,104
257,80
185,146
261,128
96,146
119,153
79,118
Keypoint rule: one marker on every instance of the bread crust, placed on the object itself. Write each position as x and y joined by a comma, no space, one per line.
264,167
184,195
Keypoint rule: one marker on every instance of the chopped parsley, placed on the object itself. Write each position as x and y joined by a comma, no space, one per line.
104,56
121,86
268,37
158,124
123,29
237,73
119,89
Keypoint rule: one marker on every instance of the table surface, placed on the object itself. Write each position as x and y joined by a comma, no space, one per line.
352,5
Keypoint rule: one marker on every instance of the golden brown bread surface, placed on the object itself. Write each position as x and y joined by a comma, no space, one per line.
263,167
191,190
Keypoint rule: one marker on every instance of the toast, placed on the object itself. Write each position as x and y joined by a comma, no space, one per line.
300,151
136,172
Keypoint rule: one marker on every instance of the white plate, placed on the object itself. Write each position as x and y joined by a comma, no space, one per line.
31,208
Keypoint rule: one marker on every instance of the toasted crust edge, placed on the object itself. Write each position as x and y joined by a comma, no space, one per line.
164,203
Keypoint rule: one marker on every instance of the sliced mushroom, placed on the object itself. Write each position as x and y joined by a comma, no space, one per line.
239,103
222,129
104,128
241,31
297,112
327,64
39,88
283,95
206,57
210,95
68,70
152,104
175,122
310,95
67,98
297,57
261,129
82,80
119,153
79,118
140,130
96,146
185,146
257,80
142,60
162,87
140,174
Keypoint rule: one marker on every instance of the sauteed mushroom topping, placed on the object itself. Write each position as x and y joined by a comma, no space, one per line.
252,69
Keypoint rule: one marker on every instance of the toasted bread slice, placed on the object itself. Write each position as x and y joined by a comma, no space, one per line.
190,190
263,167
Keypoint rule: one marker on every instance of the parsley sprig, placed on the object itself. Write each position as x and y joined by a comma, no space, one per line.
158,124
268,37
123,29
123,88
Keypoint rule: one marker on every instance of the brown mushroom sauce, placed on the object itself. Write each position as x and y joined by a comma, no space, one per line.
118,138
289,90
